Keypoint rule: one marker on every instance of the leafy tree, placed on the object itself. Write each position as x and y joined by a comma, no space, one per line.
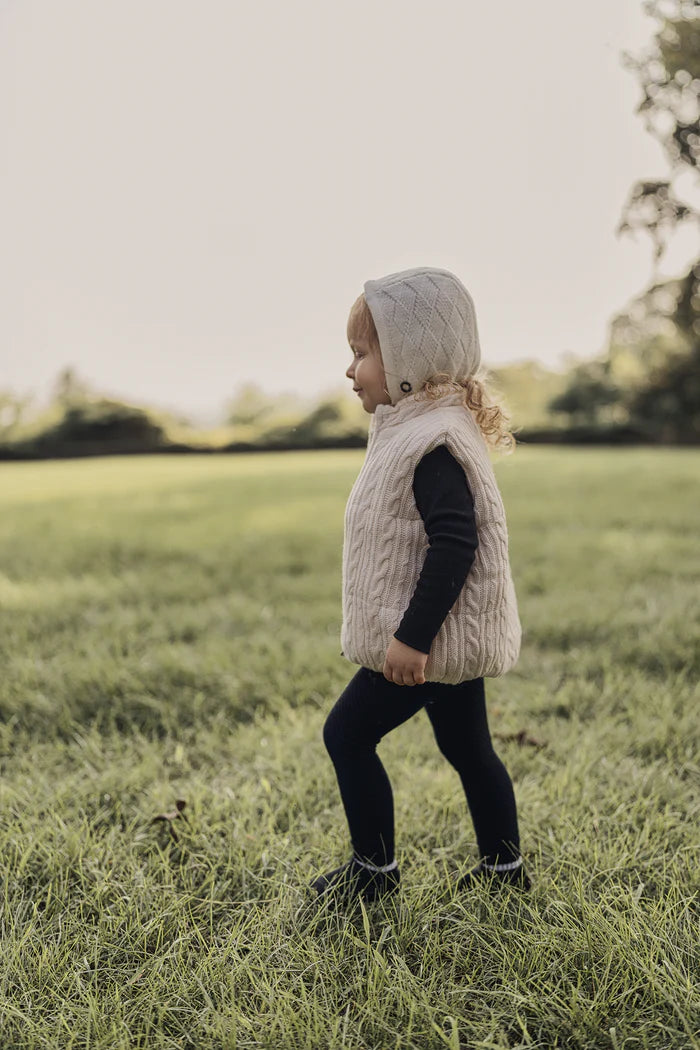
99,426
591,391
661,328
669,73
250,405
12,411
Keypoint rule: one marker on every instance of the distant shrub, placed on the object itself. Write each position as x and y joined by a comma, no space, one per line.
99,427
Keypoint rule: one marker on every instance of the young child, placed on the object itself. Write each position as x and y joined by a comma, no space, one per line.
428,596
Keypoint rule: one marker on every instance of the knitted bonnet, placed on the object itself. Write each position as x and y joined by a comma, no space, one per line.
426,323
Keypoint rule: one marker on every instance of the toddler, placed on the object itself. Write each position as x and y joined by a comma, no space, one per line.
428,597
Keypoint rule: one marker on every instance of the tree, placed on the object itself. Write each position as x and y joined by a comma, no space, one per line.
661,328
250,405
590,394
670,77
69,388
12,410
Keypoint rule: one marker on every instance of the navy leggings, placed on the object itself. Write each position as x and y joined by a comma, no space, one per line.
367,709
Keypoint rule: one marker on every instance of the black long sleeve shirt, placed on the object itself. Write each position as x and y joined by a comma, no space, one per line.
446,505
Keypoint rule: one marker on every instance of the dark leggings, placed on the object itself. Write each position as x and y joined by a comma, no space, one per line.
367,709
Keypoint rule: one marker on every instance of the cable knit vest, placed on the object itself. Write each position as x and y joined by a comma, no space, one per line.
385,545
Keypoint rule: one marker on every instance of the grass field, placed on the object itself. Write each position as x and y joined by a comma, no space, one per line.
170,630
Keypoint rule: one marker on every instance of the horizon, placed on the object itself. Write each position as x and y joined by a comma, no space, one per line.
211,417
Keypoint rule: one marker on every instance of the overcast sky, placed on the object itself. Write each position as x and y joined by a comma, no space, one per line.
194,193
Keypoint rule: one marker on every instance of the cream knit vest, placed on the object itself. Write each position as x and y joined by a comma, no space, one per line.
385,544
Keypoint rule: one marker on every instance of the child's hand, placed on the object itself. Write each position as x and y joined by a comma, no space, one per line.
403,664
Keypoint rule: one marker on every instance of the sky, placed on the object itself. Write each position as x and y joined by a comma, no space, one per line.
193,195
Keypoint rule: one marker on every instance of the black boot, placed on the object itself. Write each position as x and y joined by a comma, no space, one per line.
517,877
353,879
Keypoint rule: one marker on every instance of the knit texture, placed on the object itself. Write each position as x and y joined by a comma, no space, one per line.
426,323
385,544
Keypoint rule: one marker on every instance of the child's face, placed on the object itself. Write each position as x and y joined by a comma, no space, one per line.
367,374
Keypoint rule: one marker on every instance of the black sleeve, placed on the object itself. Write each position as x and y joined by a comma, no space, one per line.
446,505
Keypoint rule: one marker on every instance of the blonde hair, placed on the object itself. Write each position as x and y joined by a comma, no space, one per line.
478,393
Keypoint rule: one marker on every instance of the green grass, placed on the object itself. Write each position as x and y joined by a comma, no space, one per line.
170,630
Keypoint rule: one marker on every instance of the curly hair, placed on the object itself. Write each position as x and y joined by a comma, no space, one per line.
478,397
479,394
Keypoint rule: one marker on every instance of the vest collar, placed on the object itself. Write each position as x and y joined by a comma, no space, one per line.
407,408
